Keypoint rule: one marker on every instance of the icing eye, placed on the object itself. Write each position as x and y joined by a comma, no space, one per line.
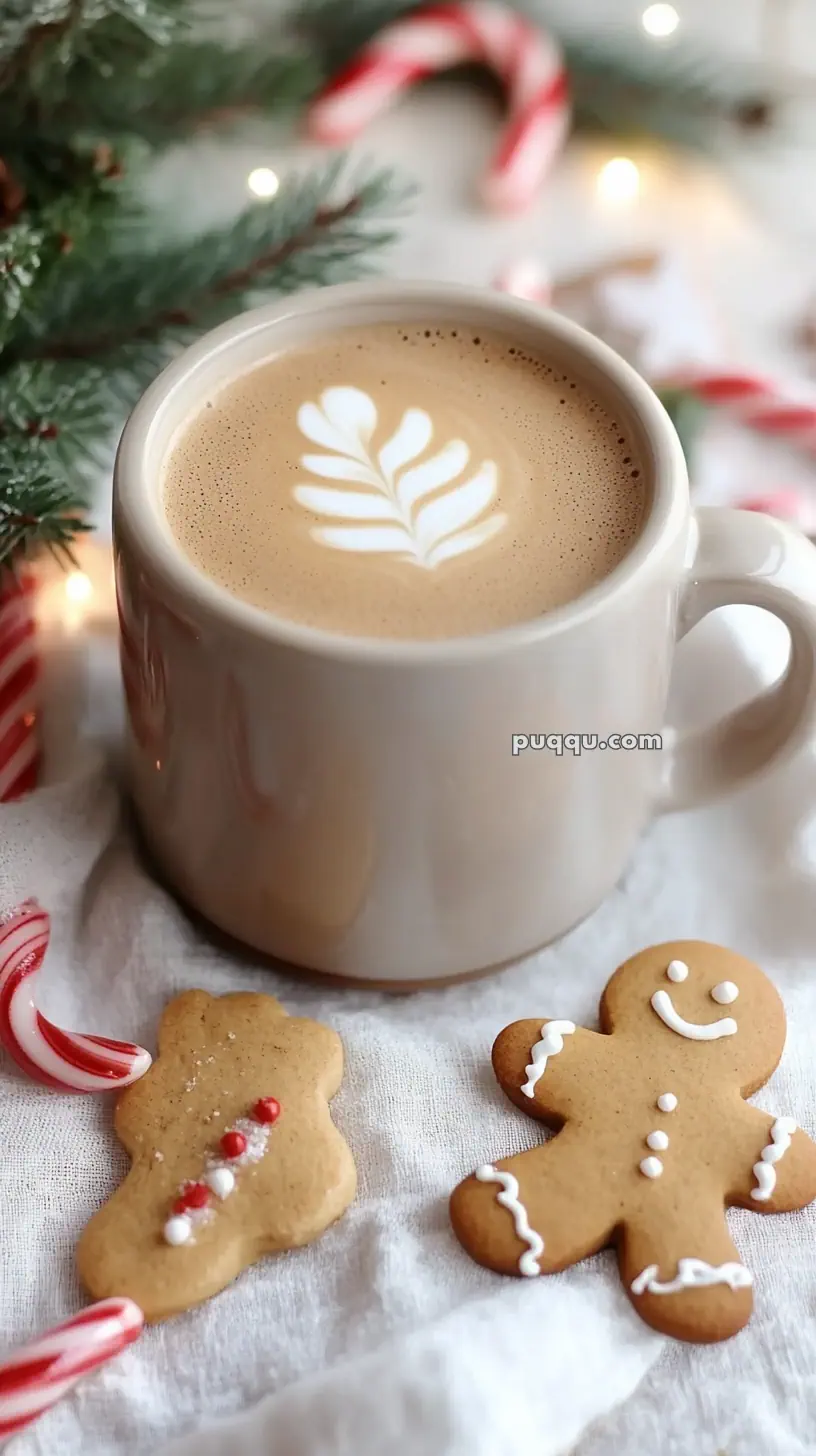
725,993
677,970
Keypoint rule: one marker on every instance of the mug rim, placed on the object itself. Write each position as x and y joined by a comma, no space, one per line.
135,510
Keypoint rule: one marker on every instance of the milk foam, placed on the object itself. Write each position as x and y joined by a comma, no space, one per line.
406,482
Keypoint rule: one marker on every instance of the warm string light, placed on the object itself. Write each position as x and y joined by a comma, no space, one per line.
618,180
78,587
263,182
660,21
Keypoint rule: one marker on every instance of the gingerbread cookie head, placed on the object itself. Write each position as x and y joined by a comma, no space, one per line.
692,995
234,1153
653,1139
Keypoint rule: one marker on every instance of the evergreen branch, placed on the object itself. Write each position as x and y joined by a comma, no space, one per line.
39,507
21,251
41,45
302,236
188,86
24,36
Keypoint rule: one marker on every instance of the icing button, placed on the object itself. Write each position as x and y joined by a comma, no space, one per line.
725,993
657,1140
651,1167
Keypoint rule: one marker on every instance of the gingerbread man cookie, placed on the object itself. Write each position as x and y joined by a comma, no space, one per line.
654,1139
234,1153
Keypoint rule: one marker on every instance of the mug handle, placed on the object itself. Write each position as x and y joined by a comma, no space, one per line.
747,559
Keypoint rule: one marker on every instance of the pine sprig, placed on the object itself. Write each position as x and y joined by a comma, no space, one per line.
39,507
311,233
92,300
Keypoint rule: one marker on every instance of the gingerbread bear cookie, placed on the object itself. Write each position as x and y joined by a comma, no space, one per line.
234,1153
654,1139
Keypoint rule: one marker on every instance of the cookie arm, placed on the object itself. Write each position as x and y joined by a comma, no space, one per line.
777,1171
535,1213
542,1066
683,1273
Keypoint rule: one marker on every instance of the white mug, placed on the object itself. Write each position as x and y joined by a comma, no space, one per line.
368,808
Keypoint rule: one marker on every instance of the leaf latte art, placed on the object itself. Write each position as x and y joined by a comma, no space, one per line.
399,500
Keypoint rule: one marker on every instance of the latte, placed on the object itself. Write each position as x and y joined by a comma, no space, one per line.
405,482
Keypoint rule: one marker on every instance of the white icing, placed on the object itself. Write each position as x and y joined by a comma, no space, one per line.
711,1031
764,1171
178,1230
693,1274
724,993
657,1140
221,1181
651,1167
667,1102
391,500
551,1043
677,970
509,1199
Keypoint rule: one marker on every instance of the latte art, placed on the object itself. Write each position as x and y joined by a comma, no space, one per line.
413,481
423,510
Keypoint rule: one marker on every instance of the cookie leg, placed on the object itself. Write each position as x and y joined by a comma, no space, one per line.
533,1213
690,1285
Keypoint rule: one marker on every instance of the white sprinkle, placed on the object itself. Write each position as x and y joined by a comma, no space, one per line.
230,1036
159,1156
178,1230
221,1181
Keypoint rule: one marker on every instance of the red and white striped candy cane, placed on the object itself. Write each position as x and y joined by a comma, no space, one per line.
437,37
19,683
40,1373
773,407
525,278
66,1060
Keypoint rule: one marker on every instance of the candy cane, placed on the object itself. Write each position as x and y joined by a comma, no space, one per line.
19,679
436,37
63,1059
40,1373
527,279
773,407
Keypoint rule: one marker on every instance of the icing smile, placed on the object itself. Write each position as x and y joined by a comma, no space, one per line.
709,1031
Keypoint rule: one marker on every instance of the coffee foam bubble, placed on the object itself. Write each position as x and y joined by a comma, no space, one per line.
571,489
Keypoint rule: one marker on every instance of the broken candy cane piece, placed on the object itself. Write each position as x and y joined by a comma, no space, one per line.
66,1060
37,1375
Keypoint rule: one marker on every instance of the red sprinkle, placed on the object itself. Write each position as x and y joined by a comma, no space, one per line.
267,1109
195,1195
233,1144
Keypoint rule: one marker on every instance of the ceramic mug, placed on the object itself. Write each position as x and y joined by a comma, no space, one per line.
365,808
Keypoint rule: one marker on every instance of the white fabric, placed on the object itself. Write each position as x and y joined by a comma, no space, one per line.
384,1337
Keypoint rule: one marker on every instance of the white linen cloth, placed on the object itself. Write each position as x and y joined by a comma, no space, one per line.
384,1337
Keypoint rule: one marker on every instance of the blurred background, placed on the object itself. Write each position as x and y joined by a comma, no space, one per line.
165,164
